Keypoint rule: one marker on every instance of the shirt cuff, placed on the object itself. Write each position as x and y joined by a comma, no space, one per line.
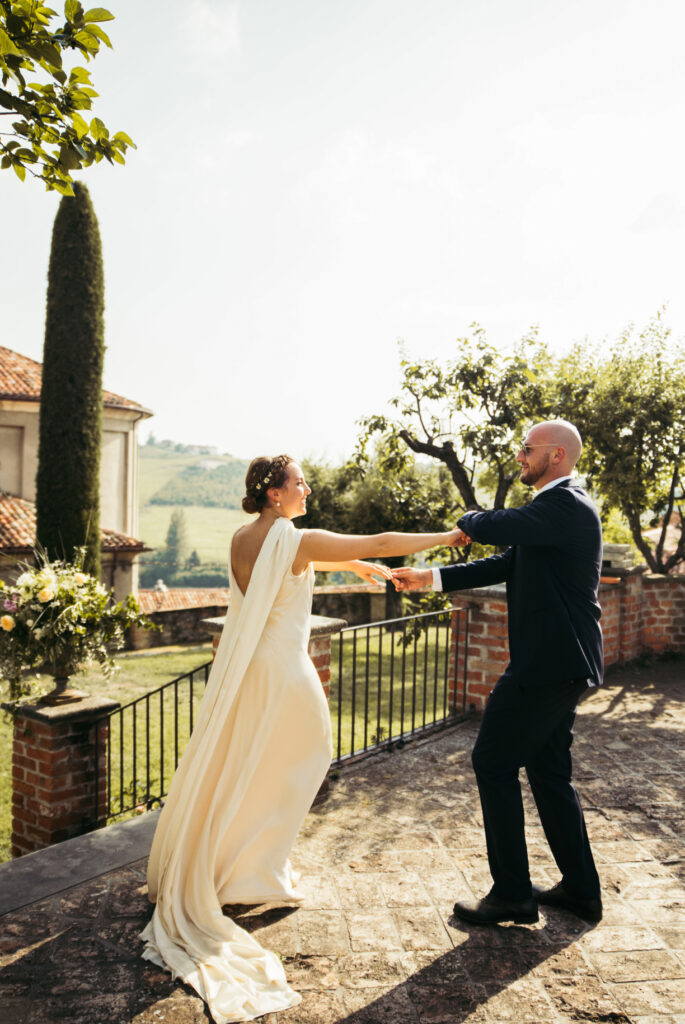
437,580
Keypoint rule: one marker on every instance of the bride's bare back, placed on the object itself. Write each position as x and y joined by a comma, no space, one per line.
245,547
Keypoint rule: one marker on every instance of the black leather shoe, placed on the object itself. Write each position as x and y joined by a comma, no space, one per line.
493,910
588,910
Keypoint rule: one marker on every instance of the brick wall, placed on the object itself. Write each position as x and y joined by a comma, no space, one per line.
663,618
58,789
640,613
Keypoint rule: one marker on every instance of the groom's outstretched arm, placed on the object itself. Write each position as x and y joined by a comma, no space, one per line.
545,521
463,576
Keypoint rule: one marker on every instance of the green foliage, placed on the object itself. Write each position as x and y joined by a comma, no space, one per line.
177,538
328,506
67,482
49,136
630,409
468,414
57,616
216,486
373,497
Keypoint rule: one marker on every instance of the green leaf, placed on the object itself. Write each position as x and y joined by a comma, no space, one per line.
98,129
71,9
86,41
100,34
19,171
68,158
79,74
80,126
64,187
98,14
6,44
123,137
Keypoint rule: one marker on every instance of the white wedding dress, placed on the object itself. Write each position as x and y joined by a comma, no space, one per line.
257,756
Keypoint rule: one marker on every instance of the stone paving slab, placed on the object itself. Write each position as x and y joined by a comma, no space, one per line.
398,840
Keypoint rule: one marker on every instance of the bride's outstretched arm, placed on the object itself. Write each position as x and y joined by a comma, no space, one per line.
321,546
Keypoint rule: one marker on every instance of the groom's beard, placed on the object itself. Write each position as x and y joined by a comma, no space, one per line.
530,475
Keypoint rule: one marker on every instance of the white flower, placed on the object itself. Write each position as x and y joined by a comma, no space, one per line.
29,622
80,577
25,580
7,623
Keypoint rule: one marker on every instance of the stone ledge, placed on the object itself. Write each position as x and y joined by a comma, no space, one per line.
89,707
320,625
46,872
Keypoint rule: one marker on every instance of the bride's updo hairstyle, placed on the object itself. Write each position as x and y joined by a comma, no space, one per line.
263,473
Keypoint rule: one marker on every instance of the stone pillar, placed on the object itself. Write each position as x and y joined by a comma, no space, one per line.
59,772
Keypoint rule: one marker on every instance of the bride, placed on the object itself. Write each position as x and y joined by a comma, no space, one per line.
260,749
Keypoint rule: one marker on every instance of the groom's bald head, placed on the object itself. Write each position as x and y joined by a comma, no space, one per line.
560,433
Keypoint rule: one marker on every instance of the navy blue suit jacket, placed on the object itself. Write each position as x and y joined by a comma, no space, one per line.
551,569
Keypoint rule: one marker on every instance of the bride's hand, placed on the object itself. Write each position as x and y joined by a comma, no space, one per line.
368,571
458,539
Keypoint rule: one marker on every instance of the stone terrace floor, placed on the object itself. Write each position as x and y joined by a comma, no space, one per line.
398,839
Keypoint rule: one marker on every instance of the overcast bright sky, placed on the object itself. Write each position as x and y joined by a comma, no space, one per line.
316,179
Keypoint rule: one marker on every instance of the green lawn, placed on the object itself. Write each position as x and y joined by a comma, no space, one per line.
209,530
388,710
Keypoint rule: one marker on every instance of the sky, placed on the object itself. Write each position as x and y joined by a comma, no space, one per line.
316,180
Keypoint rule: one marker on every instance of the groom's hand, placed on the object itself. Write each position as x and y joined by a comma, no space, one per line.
412,579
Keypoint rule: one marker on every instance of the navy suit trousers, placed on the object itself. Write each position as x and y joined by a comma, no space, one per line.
532,728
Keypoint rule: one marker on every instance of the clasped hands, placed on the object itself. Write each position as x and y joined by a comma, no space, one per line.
408,578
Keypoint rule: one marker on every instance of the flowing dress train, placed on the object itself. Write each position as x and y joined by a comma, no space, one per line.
257,756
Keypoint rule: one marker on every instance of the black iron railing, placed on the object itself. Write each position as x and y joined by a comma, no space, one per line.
397,679
390,681
145,741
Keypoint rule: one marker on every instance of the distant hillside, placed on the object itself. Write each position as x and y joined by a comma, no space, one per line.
206,484
177,474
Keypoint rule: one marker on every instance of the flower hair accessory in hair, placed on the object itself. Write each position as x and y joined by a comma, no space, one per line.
264,482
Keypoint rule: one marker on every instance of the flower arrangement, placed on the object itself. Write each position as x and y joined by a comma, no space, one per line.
56,617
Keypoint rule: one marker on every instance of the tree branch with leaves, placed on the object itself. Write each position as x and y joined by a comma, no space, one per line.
43,129
467,414
630,408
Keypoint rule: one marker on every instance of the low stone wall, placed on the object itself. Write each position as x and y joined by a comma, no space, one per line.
178,626
357,603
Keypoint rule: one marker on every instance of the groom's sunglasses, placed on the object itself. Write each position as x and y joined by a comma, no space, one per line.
528,448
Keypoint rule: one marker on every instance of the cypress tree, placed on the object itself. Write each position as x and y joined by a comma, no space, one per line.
70,440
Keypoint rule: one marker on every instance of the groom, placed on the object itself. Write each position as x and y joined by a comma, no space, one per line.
551,567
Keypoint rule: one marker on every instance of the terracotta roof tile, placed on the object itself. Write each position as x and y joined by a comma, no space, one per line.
21,377
177,599
18,529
